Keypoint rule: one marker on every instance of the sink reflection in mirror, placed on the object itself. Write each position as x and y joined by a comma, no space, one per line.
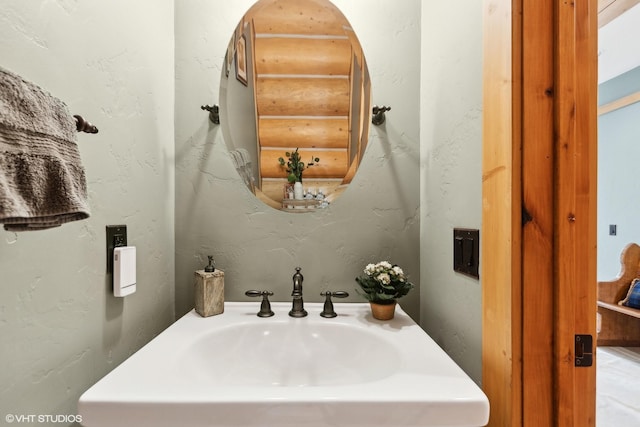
295,79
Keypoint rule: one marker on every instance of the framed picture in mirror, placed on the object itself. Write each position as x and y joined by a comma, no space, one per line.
228,57
241,60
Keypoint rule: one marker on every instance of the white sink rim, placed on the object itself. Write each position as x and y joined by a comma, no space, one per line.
151,387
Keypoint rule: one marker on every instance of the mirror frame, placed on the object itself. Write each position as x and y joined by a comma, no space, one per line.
281,99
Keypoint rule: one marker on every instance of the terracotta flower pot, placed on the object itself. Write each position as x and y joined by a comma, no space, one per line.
383,311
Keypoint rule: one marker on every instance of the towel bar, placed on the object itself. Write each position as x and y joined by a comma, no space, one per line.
84,126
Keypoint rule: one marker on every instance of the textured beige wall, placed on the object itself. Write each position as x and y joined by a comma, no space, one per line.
451,194
259,247
61,329
377,218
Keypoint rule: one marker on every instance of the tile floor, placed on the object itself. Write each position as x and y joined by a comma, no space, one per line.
618,387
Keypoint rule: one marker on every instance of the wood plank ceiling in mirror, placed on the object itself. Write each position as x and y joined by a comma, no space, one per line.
312,93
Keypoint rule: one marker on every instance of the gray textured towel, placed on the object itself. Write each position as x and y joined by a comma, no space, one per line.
42,180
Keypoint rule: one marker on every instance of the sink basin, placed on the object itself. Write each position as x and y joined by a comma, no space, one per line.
290,354
237,369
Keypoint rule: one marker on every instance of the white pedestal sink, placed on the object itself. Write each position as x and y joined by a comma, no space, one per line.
237,369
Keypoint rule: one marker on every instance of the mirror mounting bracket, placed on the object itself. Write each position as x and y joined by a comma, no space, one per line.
214,113
378,114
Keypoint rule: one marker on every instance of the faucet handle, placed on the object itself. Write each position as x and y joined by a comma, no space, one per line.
337,294
328,310
265,306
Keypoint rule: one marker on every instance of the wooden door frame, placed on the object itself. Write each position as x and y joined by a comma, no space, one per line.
539,210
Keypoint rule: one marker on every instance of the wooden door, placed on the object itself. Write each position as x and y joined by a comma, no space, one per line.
539,210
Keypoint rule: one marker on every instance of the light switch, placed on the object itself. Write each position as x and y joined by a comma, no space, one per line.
466,251
116,237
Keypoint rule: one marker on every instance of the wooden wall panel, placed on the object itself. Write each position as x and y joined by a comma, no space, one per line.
302,18
528,375
303,55
576,206
333,163
304,132
501,212
303,97
538,205
276,55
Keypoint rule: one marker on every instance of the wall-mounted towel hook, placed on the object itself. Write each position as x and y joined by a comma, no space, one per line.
214,113
84,126
378,114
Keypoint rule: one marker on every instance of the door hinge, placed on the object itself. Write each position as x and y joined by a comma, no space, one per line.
583,351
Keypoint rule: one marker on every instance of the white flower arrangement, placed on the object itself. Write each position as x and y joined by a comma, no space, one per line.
383,283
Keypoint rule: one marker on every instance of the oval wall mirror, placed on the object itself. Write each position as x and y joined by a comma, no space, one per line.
295,102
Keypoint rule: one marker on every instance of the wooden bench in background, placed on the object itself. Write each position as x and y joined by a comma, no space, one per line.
620,325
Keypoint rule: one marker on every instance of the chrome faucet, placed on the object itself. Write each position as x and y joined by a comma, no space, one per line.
298,304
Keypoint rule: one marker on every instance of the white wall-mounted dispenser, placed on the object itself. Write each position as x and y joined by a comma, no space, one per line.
124,270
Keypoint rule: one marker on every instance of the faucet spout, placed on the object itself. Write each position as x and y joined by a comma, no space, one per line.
297,309
297,283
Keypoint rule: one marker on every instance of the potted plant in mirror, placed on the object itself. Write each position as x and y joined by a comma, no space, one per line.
294,167
382,284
